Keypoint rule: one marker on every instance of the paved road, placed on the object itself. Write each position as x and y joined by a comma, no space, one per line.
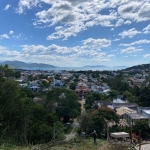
144,147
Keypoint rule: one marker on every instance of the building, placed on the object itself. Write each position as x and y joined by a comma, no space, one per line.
131,118
145,111
82,89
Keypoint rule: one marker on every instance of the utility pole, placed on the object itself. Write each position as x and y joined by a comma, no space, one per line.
139,139
131,133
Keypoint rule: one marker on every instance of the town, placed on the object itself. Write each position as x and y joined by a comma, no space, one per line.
105,101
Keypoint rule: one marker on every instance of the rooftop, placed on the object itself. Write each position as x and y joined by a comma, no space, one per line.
147,111
137,116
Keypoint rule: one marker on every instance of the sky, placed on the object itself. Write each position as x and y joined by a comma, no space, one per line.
75,33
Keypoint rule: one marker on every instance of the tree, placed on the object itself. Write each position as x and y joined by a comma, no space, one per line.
141,125
73,85
44,84
112,94
17,74
64,103
21,120
6,71
144,97
97,120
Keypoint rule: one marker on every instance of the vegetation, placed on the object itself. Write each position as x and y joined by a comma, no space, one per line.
82,144
97,120
64,103
24,122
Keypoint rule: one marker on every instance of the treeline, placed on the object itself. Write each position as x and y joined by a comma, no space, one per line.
23,121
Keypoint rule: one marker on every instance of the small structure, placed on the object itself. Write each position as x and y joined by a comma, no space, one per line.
118,135
133,117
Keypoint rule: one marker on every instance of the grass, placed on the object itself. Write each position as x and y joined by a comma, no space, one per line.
79,144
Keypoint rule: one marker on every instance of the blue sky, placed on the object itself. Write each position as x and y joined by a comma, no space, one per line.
75,32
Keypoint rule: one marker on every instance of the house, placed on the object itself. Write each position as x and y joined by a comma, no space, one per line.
106,91
131,118
57,83
132,106
118,101
100,103
24,85
35,88
122,111
82,89
145,111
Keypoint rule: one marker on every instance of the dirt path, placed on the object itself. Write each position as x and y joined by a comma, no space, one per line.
72,133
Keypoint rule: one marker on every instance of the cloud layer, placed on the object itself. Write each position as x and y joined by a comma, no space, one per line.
71,17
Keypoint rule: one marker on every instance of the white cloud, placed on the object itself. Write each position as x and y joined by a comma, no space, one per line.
116,39
73,17
146,30
7,7
112,29
144,12
130,50
144,41
129,33
96,44
11,32
111,55
57,55
7,54
4,36
22,4
146,56
79,15
128,22
135,10
119,22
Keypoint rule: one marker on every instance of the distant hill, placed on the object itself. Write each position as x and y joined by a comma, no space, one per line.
23,65
139,67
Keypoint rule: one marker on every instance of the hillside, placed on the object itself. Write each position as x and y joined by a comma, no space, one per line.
141,67
23,65
84,144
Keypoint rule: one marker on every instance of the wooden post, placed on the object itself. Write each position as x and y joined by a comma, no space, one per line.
139,139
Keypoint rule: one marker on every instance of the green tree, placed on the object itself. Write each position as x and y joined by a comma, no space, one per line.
21,120
64,103
17,74
112,94
144,97
97,120
141,125
73,85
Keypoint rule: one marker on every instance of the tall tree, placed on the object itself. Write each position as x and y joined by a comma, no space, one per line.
65,103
